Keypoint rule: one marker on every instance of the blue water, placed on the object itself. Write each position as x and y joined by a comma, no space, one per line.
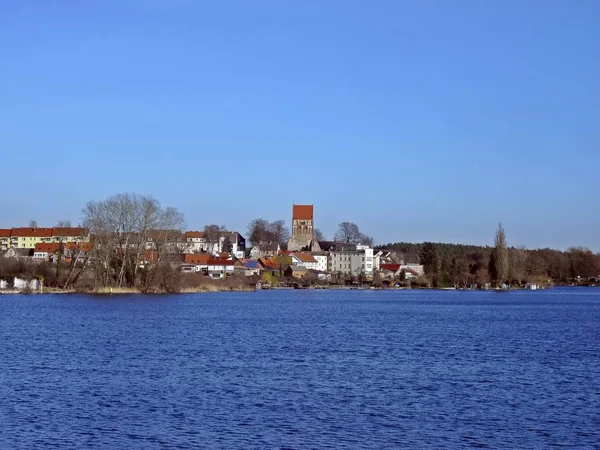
302,369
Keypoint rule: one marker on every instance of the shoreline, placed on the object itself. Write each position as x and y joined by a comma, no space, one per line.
213,289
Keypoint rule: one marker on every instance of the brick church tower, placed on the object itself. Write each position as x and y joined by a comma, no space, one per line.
303,230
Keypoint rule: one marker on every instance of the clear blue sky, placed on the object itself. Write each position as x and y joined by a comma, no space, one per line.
422,120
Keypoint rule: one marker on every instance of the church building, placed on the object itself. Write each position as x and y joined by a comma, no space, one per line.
303,230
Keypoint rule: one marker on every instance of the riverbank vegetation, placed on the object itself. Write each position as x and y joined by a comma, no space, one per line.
457,265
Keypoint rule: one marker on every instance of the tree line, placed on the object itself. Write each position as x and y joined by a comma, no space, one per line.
461,265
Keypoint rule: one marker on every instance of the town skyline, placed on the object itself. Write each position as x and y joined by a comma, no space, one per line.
328,230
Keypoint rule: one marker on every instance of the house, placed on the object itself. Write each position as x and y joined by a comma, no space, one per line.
265,249
304,259
220,268
19,253
295,271
46,251
251,267
266,264
389,270
197,260
75,249
418,269
195,241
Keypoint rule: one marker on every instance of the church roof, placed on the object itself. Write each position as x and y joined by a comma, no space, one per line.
303,212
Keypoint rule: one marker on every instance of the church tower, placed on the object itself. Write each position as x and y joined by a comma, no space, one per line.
303,229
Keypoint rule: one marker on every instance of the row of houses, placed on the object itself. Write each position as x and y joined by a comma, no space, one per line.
26,237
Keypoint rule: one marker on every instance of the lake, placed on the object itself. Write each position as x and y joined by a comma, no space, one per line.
302,369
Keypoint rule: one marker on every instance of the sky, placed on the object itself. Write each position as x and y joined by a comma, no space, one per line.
419,121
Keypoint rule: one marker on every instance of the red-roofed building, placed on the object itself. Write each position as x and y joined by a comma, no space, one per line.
305,260
45,251
303,229
220,268
198,259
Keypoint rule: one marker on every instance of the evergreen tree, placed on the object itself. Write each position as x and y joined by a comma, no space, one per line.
429,258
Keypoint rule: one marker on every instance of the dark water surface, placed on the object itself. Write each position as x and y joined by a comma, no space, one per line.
302,369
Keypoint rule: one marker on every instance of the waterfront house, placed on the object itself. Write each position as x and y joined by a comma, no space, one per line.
197,260
219,268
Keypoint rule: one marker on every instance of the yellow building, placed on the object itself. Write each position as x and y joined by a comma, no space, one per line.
28,237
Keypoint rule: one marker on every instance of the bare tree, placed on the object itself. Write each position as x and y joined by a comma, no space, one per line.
348,232
319,235
366,240
33,224
259,231
63,224
212,235
280,232
518,264
123,226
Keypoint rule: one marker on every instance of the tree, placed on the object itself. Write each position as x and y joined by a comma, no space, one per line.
227,245
429,258
212,235
279,231
33,224
499,262
125,227
518,263
258,231
63,224
366,240
348,233
319,235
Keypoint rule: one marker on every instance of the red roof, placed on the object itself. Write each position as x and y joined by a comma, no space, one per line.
47,247
305,257
5,232
390,267
194,234
83,246
31,232
221,262
303,212
62,231
267,263
198,259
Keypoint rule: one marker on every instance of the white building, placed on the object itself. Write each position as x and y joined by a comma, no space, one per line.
196,242
322,261
351,259
419,269
305,260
